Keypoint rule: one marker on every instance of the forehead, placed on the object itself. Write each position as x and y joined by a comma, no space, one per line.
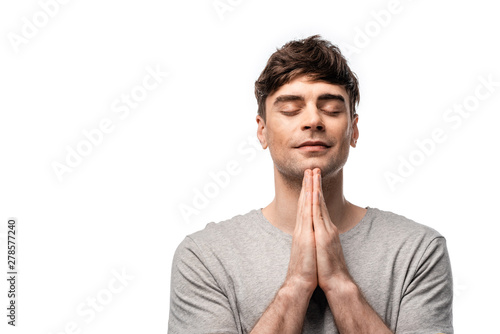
303,86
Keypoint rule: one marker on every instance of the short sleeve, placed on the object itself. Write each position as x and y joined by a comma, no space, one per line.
426,305
197,304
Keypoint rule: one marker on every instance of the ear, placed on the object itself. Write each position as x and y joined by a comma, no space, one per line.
261,131
355,131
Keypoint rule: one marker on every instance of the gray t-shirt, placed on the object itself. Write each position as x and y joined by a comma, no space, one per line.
225,276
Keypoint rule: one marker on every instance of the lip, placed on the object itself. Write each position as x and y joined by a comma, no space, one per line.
313,143
313,146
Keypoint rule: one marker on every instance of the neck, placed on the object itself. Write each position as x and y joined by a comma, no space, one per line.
282,211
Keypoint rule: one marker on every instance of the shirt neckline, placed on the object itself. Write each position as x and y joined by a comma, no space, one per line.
270,228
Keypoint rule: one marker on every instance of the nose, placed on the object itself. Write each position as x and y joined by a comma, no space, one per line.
312,119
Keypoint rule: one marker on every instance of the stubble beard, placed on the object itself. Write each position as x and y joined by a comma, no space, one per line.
292,171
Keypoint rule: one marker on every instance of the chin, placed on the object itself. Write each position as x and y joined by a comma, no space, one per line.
316,163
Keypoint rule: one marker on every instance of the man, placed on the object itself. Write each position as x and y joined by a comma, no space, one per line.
310,261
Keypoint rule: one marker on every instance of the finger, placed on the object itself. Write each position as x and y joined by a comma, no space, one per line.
307,216
301,203
318,222
302,194
327,222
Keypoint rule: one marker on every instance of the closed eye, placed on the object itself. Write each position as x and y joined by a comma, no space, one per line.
290,113
333,113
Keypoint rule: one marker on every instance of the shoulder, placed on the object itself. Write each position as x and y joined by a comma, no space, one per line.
217,236
412,246
391,221
232,227
398,228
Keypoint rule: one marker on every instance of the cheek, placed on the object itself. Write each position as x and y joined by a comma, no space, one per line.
346,127
341,131
278,135
348,134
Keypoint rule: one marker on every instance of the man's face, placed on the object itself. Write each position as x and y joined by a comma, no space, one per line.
302,111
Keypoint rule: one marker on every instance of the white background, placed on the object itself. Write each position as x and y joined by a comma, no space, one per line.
119,209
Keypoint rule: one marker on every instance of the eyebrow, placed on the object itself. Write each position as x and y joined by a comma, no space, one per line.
331,97
322,97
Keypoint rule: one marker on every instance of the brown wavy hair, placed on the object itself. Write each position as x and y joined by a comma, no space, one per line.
311,56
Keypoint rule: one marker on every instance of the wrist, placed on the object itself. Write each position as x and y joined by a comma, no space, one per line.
297,289
341,289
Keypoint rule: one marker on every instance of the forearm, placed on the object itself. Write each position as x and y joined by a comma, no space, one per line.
286,312
351,311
